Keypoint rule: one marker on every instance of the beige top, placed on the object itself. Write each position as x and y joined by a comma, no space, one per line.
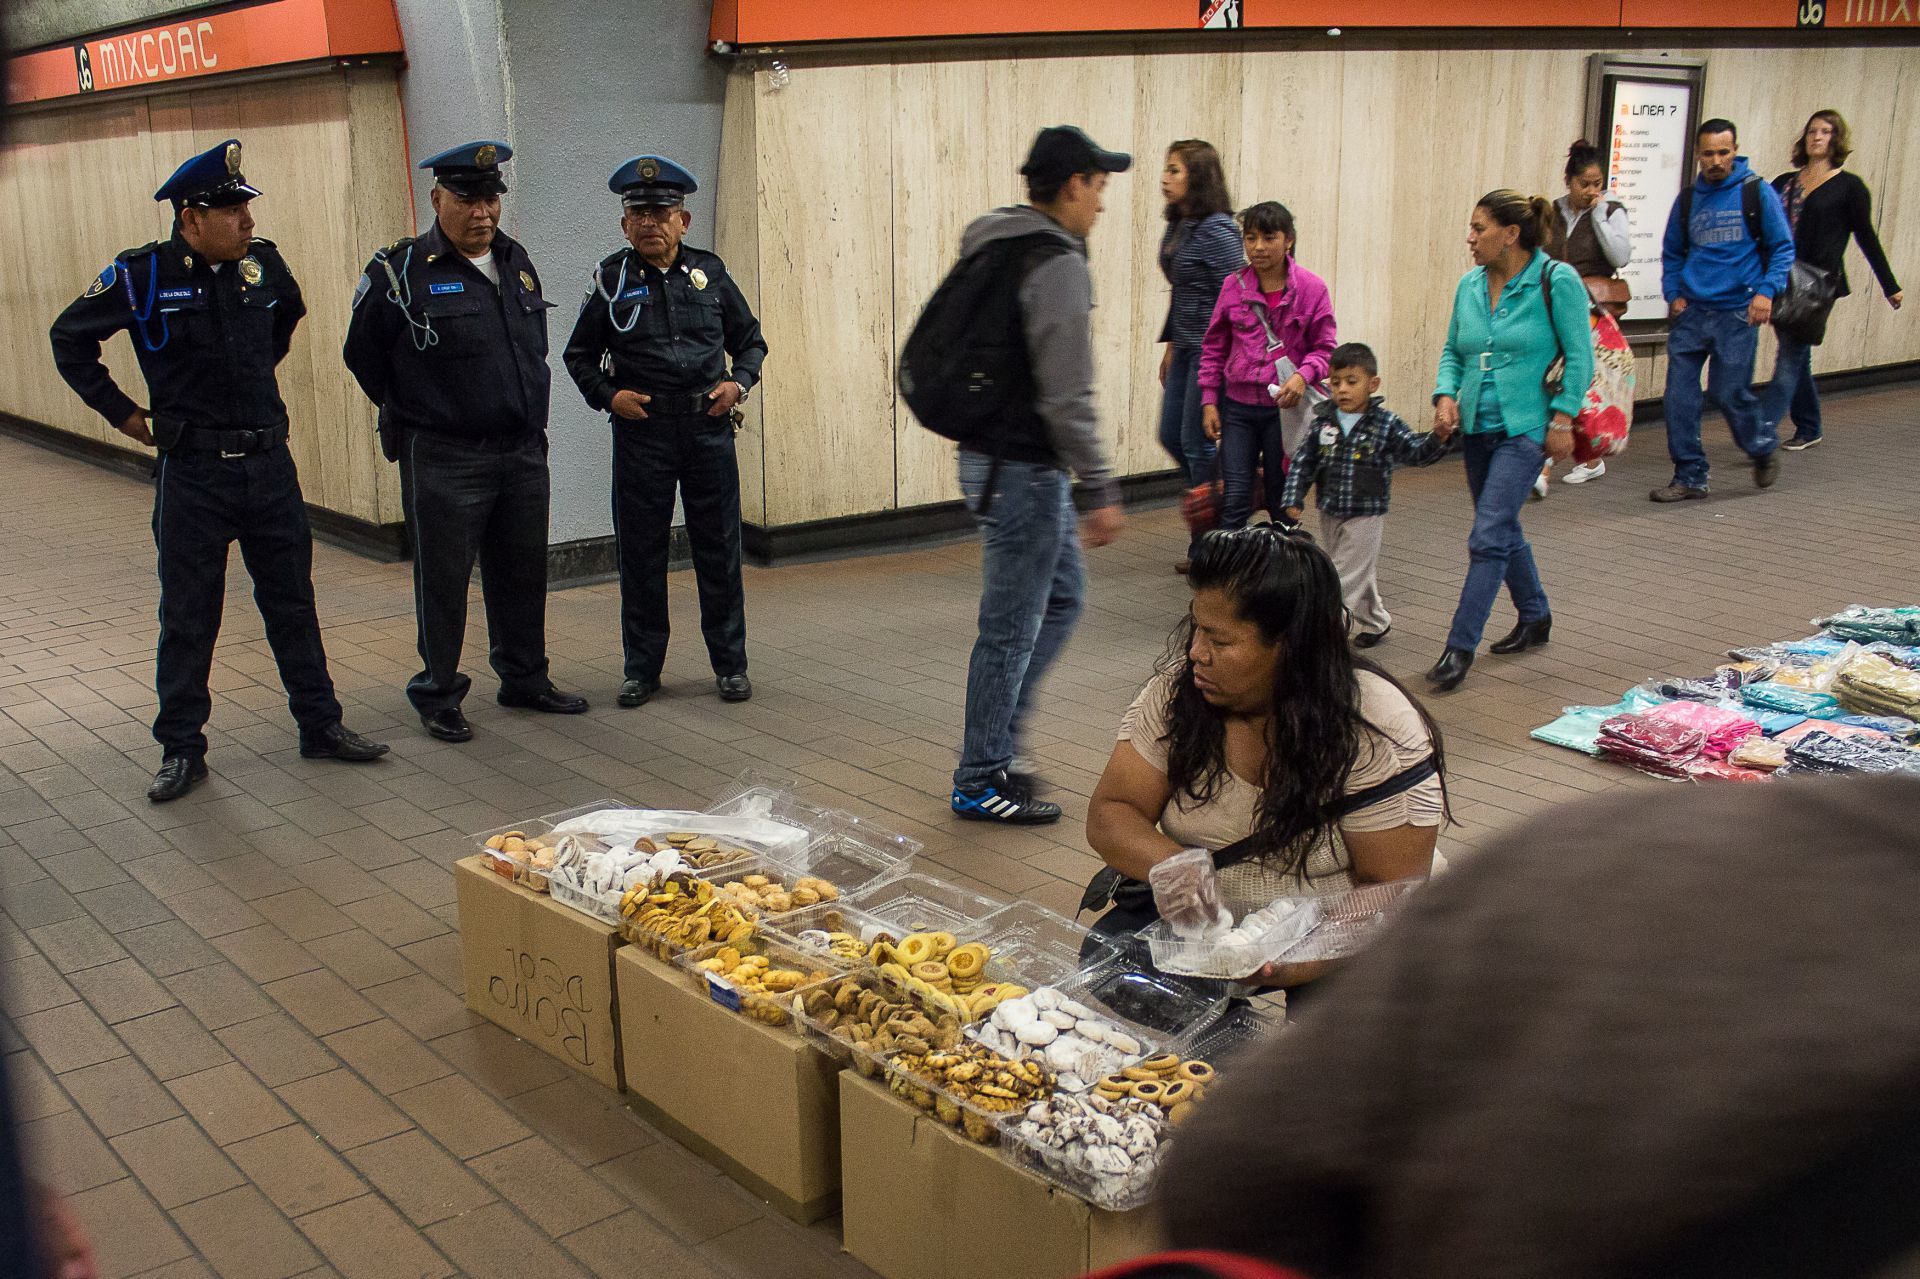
1228,817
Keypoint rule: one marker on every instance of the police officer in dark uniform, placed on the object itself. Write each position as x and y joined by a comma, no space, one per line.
651,349
449,337
211,312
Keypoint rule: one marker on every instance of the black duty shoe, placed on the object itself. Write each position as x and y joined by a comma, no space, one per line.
1003,800
1450,669
638,692
1766,470
733,688
550,700
1677,493
1523,637
341,742
178,774
1371,639
448,725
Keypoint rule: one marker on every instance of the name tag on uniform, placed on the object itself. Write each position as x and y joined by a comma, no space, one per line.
631,294
454,287
175,295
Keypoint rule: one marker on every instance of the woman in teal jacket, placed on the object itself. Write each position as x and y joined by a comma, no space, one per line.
1502,339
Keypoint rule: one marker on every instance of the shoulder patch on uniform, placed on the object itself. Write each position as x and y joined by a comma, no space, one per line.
360,289
104,281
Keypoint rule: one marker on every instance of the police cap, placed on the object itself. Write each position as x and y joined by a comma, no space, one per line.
471,169
210,180
651,181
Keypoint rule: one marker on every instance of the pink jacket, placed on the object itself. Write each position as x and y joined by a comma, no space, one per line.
1234,356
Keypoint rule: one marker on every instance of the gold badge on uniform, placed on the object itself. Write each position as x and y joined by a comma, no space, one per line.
486,155
649,170
233,157
250,270
698,277
526,281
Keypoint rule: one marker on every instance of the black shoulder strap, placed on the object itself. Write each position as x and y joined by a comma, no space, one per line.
1399,784
1750,210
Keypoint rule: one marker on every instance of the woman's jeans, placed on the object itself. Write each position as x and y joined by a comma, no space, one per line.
1501,470
1181,432
1249,441
1792,390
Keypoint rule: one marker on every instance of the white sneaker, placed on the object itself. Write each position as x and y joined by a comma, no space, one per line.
1584,472
1540,487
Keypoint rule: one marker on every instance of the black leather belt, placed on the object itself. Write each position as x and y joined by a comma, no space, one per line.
679,404
231,443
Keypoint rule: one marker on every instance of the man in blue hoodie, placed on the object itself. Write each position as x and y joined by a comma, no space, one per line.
1722,266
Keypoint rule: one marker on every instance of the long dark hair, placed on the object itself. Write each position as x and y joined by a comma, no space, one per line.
1842,144
1206,181
1286,587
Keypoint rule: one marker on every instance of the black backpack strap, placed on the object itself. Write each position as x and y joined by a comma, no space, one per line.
1686,216
1750,210
1399,784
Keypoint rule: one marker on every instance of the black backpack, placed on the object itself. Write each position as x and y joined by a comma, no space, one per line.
1749,210
964,370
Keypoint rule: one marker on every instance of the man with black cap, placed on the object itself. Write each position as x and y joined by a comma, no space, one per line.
212,311
449,337
1033,581
659,328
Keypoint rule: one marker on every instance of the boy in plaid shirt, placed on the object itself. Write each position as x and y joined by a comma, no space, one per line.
1349,453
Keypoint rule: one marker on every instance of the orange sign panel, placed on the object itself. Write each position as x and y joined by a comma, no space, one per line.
271,33
757,22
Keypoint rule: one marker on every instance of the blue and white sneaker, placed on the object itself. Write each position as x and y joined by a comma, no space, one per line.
1004,799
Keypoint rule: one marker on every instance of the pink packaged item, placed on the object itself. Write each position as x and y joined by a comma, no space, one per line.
1722,729
1663,747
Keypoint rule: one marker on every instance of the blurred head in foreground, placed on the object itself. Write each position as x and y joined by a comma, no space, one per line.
1654,1034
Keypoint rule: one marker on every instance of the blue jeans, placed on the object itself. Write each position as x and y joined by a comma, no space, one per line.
1792,389
1501,470
1723,342
1181,434
1032,584
1249,440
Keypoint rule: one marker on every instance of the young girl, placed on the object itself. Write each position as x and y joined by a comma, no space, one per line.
1264,356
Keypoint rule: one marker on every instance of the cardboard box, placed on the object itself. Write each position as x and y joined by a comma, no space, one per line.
920,1201
538,969
752,1099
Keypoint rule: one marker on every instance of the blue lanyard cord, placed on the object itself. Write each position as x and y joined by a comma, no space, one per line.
420,330
141,318
619,287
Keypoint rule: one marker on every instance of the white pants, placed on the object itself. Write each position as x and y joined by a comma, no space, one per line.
1353,544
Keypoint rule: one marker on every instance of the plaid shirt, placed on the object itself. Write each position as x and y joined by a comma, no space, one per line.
1354,473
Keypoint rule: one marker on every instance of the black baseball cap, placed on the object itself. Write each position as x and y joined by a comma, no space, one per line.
1061,151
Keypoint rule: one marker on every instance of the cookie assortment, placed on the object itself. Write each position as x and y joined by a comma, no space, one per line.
770,895
682,912
531,857
1076,1043
868,1014
969,1086
1106,1144
764,984
702,852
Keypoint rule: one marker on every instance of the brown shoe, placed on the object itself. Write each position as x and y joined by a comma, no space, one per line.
1676,493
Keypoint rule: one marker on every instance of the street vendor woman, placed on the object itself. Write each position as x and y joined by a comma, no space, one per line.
1263,738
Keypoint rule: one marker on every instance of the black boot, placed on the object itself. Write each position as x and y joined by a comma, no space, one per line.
1450,669
1523,637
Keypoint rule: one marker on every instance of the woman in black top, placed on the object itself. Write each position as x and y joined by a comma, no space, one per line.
1825,205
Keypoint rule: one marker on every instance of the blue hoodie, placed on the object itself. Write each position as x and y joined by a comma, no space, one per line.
1714,263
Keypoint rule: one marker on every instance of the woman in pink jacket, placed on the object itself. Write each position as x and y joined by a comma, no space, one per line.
1263,358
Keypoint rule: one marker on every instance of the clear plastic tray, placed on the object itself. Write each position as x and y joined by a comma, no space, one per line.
1185,957
667,948
1242,1027
834,1040
1041,947
916,903
974,1121
1111,991
539,827
771,1008
1352,919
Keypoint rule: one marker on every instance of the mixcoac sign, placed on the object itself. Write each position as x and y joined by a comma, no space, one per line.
270,33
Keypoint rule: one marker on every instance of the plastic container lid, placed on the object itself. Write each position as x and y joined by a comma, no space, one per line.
539,826
1161,1008
1353,918
1242,1027
914,902
1245,953
1042,947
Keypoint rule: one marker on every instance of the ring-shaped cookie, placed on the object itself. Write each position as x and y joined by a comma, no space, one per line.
1198,1072
1150,1090
1164,1064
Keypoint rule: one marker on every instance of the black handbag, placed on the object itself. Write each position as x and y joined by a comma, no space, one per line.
1801,310
1110,889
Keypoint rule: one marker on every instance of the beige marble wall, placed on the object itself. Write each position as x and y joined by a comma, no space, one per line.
867,167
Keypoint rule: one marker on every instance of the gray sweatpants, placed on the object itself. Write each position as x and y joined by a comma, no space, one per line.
1353,544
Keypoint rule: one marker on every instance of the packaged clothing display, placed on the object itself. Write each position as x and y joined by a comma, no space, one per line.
1858,622
1870,684
1722,730
1759,752
1663,747
1892,725
1779,697
1822,752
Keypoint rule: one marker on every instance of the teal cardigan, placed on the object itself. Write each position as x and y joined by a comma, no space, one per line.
1518,343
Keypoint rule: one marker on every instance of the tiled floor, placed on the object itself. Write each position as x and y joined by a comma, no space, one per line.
235,1022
